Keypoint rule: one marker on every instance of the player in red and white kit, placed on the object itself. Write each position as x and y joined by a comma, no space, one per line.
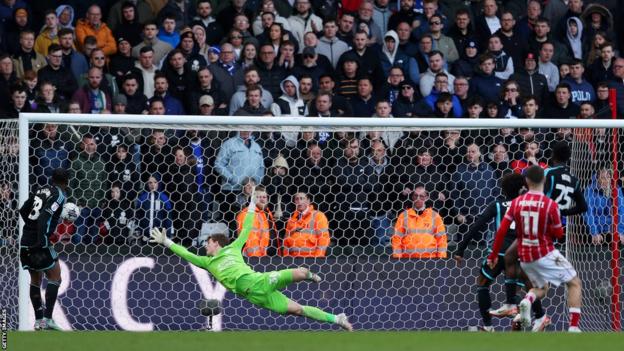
538,223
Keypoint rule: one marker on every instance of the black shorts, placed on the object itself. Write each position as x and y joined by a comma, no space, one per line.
38,258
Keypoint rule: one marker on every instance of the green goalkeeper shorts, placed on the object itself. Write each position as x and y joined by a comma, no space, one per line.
262,289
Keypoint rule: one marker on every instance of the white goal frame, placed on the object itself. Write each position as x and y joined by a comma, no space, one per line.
272,123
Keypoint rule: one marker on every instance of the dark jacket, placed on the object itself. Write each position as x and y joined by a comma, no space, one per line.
488,87
62,79
531,84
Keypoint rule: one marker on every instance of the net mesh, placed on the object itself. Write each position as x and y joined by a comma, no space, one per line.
194,182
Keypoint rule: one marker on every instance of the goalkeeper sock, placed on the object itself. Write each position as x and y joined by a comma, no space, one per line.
35,298
510,291
51,293
575,316
485,302
538,311
318,314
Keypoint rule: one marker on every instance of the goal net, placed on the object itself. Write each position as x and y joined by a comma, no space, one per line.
192,176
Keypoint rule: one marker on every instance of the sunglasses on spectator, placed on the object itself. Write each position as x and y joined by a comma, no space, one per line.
434,23
308,56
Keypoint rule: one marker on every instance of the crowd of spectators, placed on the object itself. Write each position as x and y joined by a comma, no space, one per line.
351,58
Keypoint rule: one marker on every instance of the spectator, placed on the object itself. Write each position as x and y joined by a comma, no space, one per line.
50,152
125,19
436,65
227,15
182,13
442,43
487,23
441,85
499,160
473,187
145,70
48,34
153,209
346,27
574,37
307,231
469,61
407,103
382,197
168,32
173,106
121,170
17,102
462,31
118,217
602,70
407,14
248,56
207,86
279,183
617,83
150,38
26,58
363,104
368,58
286,58
601,105
263,231
329,45
485,84
347,78
510,106
259,24
527,23
213,29
239,157
91,98
9,214
382,10
503,64
306,92
252,77
227,71
419,232
541,35
530,107
406,45
122,62
48,101
88,189
351,191
253,103
93,25
580,88
290,104
304,20
599,206
514,44
154,151
365,22
562,106
13,29
72,59
135,101
58,75
532,157
271,74
548,68
65,14
390,55
530,81
425,47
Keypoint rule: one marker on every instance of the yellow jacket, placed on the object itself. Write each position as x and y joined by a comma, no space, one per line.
419,235
43,41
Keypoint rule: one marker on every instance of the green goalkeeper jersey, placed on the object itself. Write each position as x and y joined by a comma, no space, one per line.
228,264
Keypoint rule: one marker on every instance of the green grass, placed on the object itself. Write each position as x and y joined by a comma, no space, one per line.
303,341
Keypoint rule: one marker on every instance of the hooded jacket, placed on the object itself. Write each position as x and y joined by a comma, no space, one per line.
103,35
332,49
396,57
575,42
60,10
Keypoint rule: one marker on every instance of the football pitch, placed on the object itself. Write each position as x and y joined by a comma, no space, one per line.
303,341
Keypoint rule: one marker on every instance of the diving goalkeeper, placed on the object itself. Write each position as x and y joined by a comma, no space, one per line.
225,262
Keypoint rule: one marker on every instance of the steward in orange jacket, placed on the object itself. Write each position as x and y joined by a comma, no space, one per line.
307,231
419,233
260,236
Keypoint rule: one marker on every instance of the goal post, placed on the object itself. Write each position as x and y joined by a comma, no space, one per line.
363,281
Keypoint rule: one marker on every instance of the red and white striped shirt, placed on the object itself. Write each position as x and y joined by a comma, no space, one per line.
537,223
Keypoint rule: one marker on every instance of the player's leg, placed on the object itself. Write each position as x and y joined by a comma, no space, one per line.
574,303
35,296
485,301
507,265
317,314
53,276
302,273
541,319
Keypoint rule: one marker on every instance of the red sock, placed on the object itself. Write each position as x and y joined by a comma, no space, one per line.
575,316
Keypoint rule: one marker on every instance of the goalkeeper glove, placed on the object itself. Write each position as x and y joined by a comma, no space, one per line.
252,201
159,236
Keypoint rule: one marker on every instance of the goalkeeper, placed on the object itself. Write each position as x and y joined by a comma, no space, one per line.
226,264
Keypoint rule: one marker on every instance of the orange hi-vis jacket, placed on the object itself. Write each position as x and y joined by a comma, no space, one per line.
260,235
419,236
307,234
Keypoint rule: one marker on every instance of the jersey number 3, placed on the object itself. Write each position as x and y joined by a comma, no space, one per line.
37,204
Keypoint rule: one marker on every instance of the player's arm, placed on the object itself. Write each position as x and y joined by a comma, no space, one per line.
477,227
51,204
555,228
159,236
499,238
247,223
580,205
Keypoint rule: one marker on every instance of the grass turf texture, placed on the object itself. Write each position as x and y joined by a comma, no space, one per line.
302,341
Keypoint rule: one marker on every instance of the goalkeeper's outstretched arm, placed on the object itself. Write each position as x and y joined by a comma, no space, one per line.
247,223
159,236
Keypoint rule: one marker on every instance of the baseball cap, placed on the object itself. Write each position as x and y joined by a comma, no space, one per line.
309,51
206,100
120,99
